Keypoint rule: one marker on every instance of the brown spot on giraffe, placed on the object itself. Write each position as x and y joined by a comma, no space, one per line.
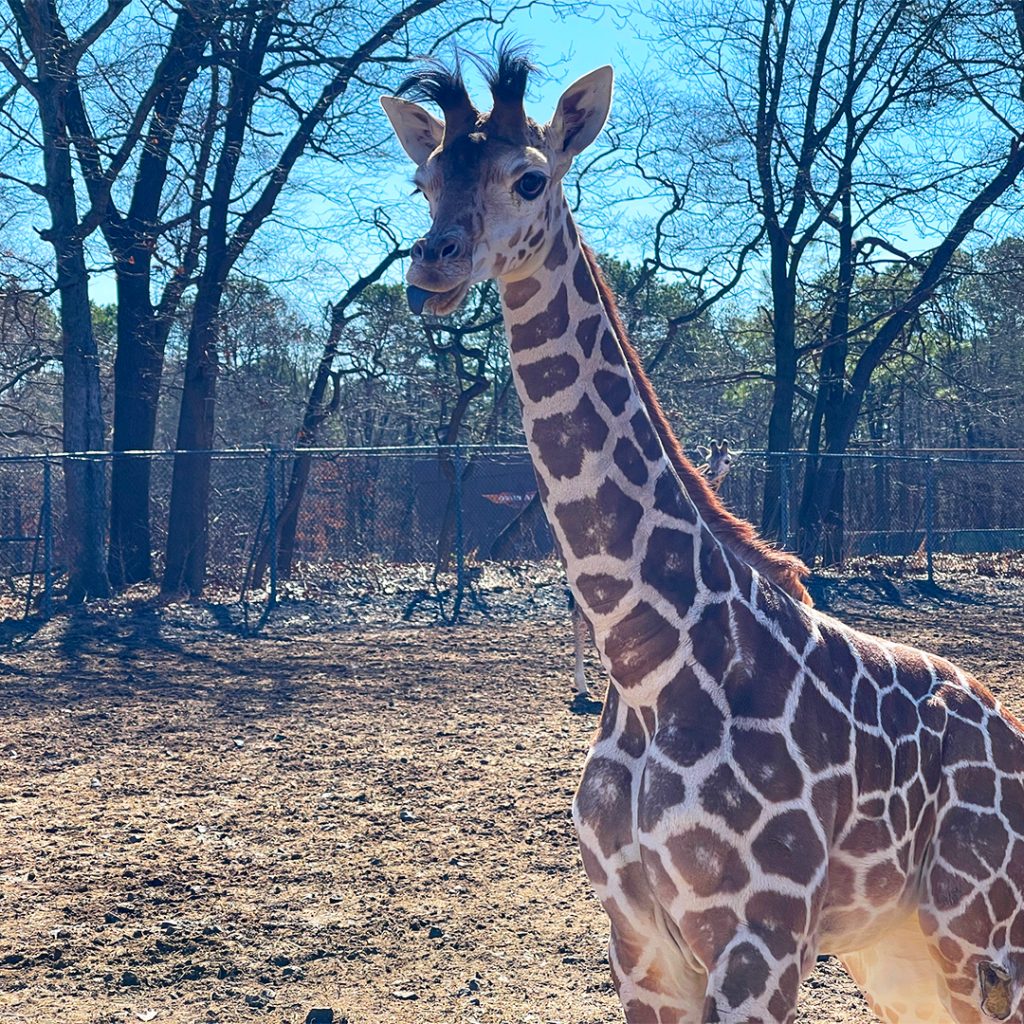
630,462
603,592
564,438
519,293
613,389
584,281
604,524
706,862
551,322
668,566
689,725
723,795
764,759
545,377
586,334
556,251
639,643
660,789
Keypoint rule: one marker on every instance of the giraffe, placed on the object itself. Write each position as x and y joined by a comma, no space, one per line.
766,784
717,463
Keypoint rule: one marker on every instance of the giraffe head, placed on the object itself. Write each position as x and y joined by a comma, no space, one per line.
492,179
719,462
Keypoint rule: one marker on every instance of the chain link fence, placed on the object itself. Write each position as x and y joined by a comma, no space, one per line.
432,517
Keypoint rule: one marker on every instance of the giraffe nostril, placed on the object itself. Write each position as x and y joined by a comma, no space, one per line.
417,251
450,251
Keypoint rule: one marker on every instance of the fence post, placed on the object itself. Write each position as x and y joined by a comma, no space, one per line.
784,488
460,578
272,522
929,514
47,514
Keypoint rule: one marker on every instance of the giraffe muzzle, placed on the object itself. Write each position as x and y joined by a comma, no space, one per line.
439,272
436,302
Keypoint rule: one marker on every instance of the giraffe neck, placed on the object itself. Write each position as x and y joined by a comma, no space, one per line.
637,553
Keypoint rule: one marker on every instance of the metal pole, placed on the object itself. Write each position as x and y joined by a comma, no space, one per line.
272,520
460,578
47,513
929,515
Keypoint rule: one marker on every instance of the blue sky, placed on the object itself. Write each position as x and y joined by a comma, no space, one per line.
564,45
311,266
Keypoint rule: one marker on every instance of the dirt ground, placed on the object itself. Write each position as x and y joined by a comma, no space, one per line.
197,826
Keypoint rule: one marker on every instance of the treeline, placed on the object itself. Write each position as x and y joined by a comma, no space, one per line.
824,241
956,380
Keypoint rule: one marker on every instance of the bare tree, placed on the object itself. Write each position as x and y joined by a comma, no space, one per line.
996,83
318,408
262,62
46,73
132,226
813,117
29,356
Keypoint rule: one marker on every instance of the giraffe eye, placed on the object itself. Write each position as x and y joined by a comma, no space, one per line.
531,184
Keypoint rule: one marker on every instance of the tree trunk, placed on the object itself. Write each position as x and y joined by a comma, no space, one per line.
833,522
84,479
841,416
287,523
142,329
188,527
821,506
780,422
138,366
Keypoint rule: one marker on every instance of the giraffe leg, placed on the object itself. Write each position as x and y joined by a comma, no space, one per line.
972,910
975,951
654,983
657,980
580,638
899,978
749,984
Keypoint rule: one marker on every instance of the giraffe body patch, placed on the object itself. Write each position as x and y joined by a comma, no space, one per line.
586,333
546,377
604,524
639,643
563,439
551,322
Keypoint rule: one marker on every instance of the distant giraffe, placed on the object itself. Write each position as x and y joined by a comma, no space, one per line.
766,784
717,461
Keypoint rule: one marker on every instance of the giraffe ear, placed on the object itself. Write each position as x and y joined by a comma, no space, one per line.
582,112
419,132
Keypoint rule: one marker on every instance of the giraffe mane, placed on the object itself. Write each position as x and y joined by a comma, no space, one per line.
786,570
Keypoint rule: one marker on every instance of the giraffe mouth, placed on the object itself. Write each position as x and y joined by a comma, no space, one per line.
437,303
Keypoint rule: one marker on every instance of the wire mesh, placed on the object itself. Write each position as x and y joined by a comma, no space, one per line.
447,511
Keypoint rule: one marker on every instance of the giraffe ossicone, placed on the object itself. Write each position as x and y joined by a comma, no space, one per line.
766,783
